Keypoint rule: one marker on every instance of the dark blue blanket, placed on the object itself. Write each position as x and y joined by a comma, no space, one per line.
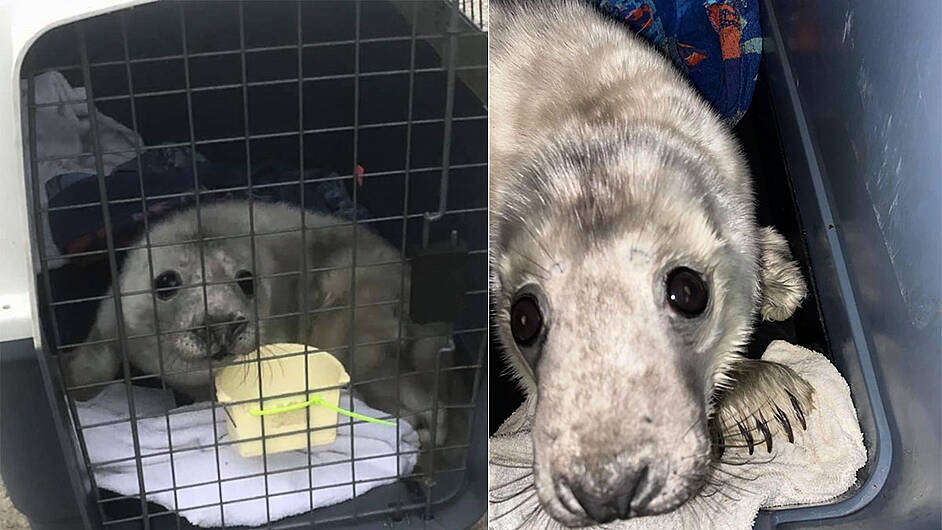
717,43
168,182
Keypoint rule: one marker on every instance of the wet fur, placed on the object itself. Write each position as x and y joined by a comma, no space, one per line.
606,171
181,356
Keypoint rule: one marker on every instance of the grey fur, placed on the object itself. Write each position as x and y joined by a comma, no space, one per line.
782,285
606,172
329,249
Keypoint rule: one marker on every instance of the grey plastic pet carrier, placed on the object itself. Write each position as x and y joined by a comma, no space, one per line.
860,128
843,138
371,113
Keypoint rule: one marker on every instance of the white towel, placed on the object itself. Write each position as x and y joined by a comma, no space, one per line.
819,466
64,130
192,426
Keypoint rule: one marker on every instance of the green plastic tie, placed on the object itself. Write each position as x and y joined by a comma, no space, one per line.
317,400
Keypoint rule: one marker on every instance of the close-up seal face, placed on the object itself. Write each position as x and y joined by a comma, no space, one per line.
624,311
627,265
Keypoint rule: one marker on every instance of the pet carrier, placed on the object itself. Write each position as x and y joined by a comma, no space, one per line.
349,131
843,139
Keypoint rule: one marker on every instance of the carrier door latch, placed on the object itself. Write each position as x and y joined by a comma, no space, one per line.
439,274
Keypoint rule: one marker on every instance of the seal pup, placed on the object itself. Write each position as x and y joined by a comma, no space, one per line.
248,297
627,267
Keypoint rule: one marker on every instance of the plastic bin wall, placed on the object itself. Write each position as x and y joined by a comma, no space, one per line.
857,95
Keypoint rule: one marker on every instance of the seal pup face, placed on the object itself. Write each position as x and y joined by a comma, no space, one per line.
624,289
195,324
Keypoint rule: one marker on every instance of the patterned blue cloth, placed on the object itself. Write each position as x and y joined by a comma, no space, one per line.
717,43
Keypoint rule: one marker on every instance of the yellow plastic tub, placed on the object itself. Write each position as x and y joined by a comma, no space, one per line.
281,375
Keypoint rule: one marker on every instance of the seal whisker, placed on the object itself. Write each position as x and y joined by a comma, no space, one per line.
510,482
536,511
535,263
718,490
511,466
696,422
540,244
731,474
514,507
746,461
499,500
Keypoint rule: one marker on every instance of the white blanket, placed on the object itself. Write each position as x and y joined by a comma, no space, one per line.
820,465
195,470
63,129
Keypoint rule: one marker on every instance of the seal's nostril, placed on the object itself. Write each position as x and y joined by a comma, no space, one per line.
622,505
616,500
638,492
224,331
566,497
600,512
598,507
235,329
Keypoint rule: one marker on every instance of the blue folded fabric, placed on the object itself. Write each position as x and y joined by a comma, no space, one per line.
168,184
717,43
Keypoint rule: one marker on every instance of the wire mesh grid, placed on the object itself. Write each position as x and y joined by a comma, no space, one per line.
221,52
476,11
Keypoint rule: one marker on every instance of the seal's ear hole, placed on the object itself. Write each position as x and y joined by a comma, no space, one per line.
246,282
782,287
167,284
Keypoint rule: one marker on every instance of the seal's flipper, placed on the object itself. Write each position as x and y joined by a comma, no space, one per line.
90,364
768,401
782,287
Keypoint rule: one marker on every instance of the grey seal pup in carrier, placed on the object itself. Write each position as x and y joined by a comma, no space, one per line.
243,288
627,268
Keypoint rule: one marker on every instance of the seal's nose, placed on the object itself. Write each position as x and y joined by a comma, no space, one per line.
607,499
224,331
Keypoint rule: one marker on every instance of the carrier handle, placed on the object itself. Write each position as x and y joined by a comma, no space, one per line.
318,400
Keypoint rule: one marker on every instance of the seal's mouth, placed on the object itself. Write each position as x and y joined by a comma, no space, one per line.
222,355
220,338
226,354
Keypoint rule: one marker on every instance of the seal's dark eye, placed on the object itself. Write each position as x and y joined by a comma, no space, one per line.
686,292
526,320
246,283
167,284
